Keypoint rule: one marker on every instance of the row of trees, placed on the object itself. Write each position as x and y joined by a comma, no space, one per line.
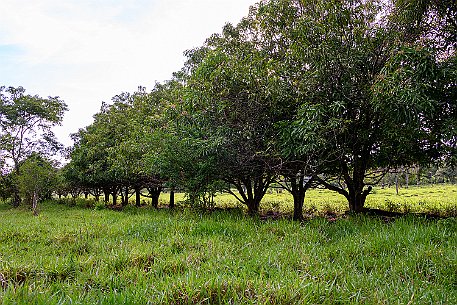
304,93
335,93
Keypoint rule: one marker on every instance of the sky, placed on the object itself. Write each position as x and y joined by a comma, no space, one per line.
87,51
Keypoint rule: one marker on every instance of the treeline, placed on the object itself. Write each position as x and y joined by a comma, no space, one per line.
302,93
417,175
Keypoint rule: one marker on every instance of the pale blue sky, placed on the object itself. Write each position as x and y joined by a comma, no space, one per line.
87,51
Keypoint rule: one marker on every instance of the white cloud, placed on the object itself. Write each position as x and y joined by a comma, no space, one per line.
87,51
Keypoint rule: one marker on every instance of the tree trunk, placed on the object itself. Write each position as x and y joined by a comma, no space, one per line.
355,194
357,199
106,193
355,184
125,196
172,199
16,198
86,195
251,191
298,191
155,197
114,197
298,206
396,183
35,203
253,206
137,196
355,202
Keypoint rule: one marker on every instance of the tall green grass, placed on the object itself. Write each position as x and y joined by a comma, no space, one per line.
75,255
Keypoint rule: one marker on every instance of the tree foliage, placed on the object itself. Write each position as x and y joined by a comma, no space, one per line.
25,127
336,93
37,180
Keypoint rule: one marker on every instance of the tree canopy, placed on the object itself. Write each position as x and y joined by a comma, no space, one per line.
25,127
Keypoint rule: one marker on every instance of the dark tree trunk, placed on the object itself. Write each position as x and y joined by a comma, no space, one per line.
122,196
114,194
137,196
16,199
298,206
106,192
86,195
154,193
253,206
125,196
172,199
16,196
251,192
155,200
355,194
357,200
298,190
298,193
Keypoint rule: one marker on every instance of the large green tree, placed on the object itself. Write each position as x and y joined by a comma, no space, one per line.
372,87
235,107
269,27
25,126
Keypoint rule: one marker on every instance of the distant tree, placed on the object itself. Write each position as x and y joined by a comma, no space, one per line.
139,114
62,187
113,154
25,126
8,185
37,179
157,133
90,166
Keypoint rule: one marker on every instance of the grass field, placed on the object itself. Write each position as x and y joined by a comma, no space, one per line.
75,255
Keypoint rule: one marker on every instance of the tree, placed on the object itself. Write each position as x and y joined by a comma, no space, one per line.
91,166
36,180
7,186
140,115
62,187
167,156
234,107
25,123
270,28
361,71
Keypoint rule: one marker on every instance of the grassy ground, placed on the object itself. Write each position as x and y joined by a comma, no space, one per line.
73,255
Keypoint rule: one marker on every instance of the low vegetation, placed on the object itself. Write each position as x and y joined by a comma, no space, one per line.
79,255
